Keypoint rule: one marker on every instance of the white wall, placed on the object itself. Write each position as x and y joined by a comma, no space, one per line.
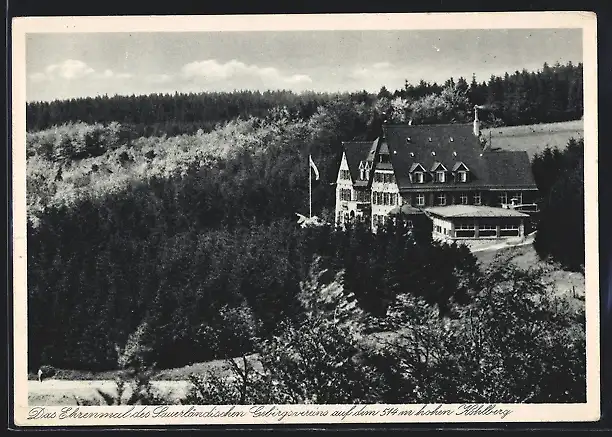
384,188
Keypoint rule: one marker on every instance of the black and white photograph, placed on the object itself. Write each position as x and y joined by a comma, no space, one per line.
392,218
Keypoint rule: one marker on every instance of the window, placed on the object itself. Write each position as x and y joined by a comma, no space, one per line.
509,230
394,199
418,177
420,199
441,199
345,194
362,196
465,230
345,174
362,174
386,178
462,176
465,226
409,224
441,176
509,227
517,198
386,198
438,229
487,230
382,158
477,198
463,198
503,198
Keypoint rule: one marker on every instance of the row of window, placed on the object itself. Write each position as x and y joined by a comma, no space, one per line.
385,178
418,177
379,198
441,199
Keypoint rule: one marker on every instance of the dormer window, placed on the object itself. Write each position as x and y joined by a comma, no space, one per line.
439,172
461,172
417,173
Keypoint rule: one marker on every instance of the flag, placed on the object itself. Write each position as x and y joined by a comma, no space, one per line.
314,167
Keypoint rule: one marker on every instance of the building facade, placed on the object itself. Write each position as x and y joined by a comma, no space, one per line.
426,166
470,222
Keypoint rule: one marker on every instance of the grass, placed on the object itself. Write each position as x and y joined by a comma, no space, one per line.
570,284
219,367
534,138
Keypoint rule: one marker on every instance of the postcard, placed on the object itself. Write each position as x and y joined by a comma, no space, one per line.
305,219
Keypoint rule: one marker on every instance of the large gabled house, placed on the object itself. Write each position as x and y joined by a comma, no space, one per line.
413,168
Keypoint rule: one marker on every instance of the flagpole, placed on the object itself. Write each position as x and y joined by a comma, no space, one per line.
309,188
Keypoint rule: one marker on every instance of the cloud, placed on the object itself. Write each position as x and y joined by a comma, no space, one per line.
213,71
110,74
72,69
158,78
368,72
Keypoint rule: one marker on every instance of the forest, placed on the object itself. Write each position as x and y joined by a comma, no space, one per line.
180,244
551,94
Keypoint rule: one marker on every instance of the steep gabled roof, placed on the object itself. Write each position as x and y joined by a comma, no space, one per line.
465,145
510,168
414,166
356,151
437,164
458,165
431,144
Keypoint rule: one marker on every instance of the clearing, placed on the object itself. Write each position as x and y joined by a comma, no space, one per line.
535,137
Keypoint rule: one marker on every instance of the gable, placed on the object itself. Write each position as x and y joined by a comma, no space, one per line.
356,152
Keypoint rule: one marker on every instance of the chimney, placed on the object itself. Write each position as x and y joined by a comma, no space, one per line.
476,122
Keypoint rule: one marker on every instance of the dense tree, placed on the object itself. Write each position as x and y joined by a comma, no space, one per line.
554,93
560,178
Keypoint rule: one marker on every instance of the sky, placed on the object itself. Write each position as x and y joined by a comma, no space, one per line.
68,65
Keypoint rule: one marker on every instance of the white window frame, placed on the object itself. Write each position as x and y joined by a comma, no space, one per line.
441,199
420,199
463,198
507,227
462,175
343,192
345,175
477,198
441,176
465,227
503,197
519,197
419,177
487,227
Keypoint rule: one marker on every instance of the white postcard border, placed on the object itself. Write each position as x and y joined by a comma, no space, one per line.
590,411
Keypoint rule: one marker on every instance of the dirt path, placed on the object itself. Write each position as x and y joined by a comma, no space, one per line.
66,392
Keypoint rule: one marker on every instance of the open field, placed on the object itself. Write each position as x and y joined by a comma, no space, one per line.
534,138
525,257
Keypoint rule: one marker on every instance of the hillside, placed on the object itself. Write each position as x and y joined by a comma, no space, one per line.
535,137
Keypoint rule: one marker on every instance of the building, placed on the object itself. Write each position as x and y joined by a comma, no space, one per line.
424,166
471,222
